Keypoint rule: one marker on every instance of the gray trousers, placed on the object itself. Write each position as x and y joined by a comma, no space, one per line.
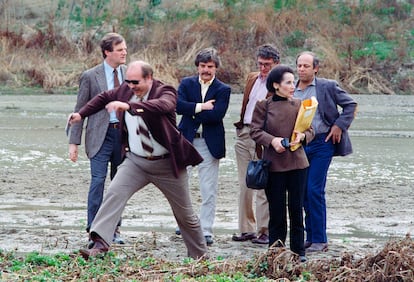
208,171
135,173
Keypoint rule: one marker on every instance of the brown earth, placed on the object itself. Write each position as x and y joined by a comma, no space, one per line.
44,211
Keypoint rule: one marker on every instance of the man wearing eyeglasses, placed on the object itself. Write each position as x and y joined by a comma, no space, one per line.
154,152
102,137
250,220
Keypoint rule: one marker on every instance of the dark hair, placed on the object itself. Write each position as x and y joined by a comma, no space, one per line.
276,75
108,42
315,58
268,51
207,55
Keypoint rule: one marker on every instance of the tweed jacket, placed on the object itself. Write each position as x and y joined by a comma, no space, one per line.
276,118
211,121
92,82
158,113
329,96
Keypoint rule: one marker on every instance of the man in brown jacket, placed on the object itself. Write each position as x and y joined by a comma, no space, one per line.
267,58
155,152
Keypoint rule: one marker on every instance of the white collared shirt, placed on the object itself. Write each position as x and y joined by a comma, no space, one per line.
134,139
258,92
204,89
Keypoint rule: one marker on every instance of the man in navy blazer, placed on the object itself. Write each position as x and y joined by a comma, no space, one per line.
331,139
203,101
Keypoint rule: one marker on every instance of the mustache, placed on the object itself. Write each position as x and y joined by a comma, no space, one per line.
206,73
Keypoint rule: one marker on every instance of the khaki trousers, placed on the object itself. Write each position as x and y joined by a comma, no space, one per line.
135,173
250,219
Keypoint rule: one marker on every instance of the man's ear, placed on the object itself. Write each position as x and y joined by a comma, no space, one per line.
316,69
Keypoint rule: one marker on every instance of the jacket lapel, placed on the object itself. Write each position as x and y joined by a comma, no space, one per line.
101,79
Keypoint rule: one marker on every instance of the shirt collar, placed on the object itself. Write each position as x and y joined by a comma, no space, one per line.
313,83
110,69
206,83
261,77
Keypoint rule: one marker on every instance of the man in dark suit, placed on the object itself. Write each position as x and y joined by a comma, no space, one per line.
102,138
253,211
331,139
155,152
203,101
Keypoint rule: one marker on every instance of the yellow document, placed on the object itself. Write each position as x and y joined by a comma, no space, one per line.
304,119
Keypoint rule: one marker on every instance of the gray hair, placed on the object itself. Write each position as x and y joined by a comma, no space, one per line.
268,51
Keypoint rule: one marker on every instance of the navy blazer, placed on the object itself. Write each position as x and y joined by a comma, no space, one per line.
329,96
211,121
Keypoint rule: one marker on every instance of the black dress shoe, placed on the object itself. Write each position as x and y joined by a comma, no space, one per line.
209,240
317,247
244,237
262,239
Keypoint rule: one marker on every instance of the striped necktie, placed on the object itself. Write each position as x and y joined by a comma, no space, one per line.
143,132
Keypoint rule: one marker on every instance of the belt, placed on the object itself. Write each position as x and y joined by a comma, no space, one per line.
115,125
154,158
246,124
197,135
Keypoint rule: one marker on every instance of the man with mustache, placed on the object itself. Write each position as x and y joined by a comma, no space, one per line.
203,101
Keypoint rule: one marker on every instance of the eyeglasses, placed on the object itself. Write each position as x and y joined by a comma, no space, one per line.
266,65
135,82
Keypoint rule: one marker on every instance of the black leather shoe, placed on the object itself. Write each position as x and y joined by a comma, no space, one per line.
262,239
209,240
244,237
317,247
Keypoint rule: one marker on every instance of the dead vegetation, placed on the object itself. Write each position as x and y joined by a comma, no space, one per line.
395,262
368,49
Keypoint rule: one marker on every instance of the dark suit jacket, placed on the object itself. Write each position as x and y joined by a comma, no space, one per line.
189,94
158,112
329,96
91,83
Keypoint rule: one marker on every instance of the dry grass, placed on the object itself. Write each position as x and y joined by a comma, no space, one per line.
52,55
395,262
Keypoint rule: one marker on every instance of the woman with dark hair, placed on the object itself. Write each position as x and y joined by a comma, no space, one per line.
272,126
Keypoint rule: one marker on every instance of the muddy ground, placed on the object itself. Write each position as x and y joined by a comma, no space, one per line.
43,195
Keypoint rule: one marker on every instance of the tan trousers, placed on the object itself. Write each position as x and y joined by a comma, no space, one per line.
135,173
250,219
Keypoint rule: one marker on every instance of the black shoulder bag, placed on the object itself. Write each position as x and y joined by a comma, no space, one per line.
258,171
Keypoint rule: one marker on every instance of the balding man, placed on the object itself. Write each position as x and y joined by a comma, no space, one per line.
154,152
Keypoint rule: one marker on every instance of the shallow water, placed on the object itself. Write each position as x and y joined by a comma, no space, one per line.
369,193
